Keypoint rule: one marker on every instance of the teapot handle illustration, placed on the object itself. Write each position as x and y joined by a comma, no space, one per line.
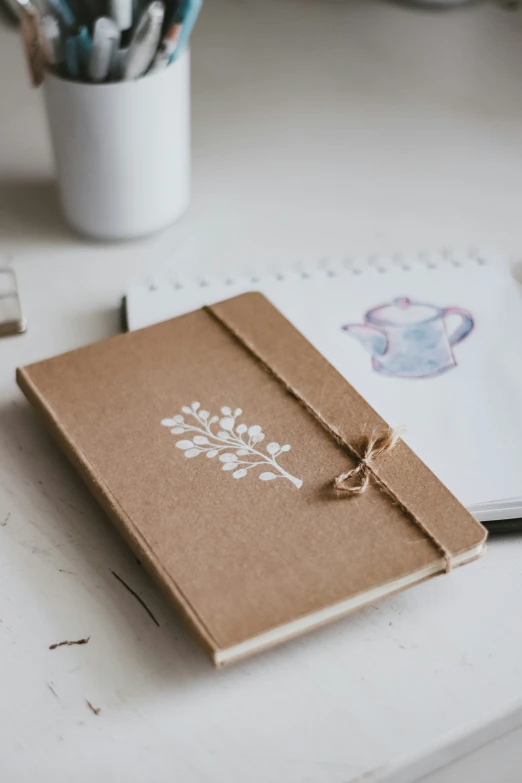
465,326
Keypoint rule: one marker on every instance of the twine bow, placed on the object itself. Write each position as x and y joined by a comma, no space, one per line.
355,481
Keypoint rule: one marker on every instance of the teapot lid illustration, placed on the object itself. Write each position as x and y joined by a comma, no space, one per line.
401,312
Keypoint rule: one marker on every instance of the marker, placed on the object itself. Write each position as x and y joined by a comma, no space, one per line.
63,11
52,38
20,7
161,60
189,12
145,41
167,48
105,40
33,45
84,49
41,7
71,57
173,36
118,64
121,12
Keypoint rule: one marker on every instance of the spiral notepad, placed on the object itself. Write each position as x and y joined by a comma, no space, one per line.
431,342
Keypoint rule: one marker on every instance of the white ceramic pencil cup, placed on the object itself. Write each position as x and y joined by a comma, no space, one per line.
122,151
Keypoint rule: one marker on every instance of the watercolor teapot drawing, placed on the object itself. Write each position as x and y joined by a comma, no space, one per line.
410,339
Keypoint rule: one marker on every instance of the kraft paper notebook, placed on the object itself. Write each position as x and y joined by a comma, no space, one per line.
213,440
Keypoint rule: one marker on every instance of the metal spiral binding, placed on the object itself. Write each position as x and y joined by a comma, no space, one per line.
356,265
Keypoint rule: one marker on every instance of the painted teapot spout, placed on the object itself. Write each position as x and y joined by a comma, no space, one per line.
372,339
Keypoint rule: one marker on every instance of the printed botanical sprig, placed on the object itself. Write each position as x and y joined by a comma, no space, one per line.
235,445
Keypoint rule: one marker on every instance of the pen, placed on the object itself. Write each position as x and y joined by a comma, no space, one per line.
105,40
145,41
189,12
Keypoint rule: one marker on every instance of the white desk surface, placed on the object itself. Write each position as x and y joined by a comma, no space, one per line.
320,128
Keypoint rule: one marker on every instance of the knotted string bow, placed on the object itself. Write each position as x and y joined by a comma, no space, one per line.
355,481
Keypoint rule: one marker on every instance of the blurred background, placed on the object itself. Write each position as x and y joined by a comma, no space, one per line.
386,125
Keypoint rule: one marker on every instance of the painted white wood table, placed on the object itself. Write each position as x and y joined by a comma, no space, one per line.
320,128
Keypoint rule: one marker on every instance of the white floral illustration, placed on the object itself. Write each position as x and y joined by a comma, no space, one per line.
233,444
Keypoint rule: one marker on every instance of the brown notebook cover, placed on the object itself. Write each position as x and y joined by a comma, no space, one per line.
228,500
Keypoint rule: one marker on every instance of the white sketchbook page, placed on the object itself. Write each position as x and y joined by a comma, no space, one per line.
464,423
